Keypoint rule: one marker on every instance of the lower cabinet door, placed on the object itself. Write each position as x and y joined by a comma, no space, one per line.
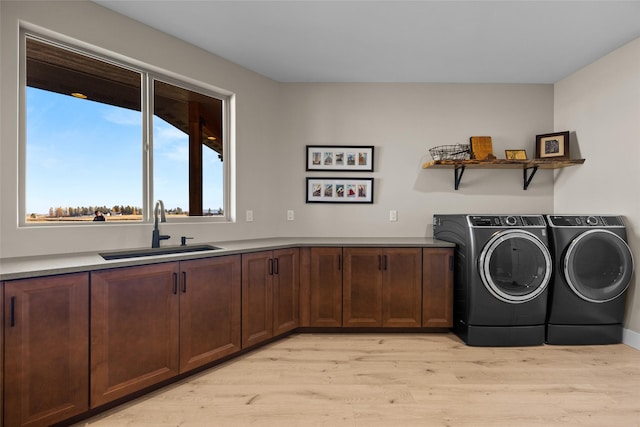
209,310
437,292
325,287
257,297
362,287
46,331
286,289
402,287
134,329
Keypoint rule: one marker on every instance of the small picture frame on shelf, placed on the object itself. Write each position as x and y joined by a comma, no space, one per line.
339,190
553,146
340,158
515,154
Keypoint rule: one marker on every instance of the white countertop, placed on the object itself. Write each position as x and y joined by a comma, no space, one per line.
46,265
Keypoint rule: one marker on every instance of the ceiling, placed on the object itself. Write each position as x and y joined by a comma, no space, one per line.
451,41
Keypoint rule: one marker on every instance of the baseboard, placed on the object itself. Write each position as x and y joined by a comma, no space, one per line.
631,338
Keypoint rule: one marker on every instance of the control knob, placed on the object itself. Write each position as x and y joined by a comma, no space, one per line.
592,220
511,220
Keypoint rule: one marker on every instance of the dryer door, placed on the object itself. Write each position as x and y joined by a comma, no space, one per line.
598,265
515,266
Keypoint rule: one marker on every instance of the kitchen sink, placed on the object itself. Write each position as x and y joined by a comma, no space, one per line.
168,250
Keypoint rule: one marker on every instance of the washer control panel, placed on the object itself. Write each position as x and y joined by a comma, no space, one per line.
601,221
506,221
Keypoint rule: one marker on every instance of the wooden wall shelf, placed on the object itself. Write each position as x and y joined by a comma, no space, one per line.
529,167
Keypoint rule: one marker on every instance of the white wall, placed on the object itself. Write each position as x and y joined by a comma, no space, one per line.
601,104
275,122
257,99
402,121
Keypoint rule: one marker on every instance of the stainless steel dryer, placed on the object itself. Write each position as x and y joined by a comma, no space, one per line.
502,269
593,266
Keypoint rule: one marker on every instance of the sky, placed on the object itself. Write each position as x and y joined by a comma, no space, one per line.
84,153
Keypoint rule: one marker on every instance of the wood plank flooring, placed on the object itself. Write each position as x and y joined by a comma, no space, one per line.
399,380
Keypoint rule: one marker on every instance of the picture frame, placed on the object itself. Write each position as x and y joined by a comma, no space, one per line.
339,190
553,146
515,154
340,158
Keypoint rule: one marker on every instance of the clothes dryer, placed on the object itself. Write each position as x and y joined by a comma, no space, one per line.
593,265
502,269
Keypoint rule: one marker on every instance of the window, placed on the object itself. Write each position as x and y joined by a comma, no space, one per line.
85,144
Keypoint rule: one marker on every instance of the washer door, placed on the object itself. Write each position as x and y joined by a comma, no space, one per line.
515,266
598,265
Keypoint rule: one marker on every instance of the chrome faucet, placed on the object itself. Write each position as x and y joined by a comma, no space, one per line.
155,240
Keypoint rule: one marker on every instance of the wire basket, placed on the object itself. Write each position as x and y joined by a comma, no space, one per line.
451,152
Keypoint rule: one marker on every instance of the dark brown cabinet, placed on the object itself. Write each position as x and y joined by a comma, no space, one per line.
151,323
382,287
134,329
78,341
437,292
270,300
325,287
209,310
46,338
402,287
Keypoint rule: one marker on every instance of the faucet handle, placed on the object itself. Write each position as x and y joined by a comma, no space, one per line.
183,240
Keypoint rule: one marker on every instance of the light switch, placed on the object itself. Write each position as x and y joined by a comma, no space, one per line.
393,215
249,216
289,215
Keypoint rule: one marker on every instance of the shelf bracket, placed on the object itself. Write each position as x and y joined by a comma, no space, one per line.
458,171
527,179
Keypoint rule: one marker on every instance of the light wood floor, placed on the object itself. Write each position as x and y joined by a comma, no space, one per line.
399,380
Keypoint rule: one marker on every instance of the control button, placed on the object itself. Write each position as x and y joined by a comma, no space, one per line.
592,220
511,220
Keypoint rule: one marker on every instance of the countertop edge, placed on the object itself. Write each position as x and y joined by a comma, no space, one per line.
48,265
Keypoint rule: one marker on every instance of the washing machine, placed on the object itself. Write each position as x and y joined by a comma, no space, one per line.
593,266
502,270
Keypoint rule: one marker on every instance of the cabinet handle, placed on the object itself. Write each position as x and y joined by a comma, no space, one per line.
276,268
451,263
184,282
175,283
270,266
12,315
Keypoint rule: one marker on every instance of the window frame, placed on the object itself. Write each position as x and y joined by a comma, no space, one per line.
148,74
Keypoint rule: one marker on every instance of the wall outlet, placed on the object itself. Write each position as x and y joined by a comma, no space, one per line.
289,215
249,216
393,215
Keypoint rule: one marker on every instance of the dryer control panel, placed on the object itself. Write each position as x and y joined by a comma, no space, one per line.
506,221
600,221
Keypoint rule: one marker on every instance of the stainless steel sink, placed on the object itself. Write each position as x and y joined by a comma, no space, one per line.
167,250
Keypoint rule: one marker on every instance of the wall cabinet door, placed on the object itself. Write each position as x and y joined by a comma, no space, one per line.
209,310
46,331
402,287
437,296
325,287
134,329
286,288
362,287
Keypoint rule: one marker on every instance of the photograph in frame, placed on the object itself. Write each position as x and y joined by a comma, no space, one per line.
339,190
340,158
553,146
